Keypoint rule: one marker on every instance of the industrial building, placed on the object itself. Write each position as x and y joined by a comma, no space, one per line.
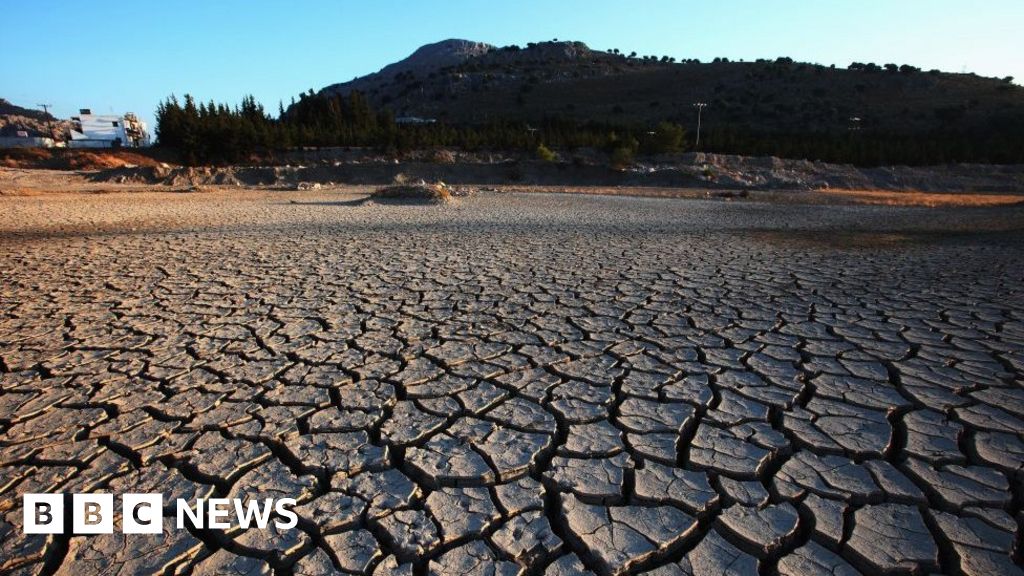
90,130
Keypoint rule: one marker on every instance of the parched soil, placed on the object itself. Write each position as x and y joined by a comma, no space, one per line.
517,383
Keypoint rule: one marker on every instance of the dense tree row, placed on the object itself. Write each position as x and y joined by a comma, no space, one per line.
217,133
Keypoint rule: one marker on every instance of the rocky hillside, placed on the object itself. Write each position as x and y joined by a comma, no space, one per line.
9,109
14,118
469,82
424,60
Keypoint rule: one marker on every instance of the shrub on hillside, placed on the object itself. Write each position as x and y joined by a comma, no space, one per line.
622,157
667,138
443,157
546,154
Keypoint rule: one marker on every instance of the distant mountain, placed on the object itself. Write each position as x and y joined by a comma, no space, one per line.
470,82
425,59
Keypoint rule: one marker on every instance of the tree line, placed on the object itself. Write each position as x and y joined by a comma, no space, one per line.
213,133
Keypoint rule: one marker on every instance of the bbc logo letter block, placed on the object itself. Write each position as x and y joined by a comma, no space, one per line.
142,513
92,513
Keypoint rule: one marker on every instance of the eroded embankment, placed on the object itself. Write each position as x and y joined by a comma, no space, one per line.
689,171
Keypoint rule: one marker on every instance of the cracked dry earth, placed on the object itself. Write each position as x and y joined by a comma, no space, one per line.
518,384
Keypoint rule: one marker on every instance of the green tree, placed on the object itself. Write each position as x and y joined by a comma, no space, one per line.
668,138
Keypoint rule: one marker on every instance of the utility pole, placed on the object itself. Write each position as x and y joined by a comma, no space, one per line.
49,121
700,108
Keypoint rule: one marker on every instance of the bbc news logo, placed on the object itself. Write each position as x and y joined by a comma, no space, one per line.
143,513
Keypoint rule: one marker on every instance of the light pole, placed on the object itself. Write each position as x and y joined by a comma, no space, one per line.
700,108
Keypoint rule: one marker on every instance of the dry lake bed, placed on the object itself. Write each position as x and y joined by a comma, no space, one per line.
517,383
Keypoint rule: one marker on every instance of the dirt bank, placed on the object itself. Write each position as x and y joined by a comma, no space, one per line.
688,171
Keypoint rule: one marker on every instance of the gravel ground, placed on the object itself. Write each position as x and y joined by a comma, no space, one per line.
518,384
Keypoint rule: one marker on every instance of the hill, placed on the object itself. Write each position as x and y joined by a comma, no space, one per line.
14,118
424,60
464,82
567,97
8,109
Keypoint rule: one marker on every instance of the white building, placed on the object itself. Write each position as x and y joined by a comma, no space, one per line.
90,130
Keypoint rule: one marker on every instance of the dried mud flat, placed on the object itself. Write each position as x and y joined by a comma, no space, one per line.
518,383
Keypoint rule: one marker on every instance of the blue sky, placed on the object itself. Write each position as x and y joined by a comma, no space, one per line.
127,56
